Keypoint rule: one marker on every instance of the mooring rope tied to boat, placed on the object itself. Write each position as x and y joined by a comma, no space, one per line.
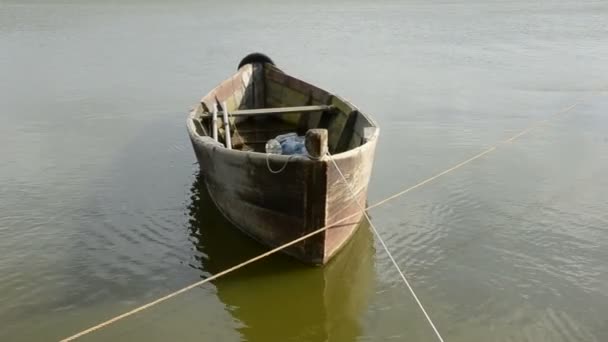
388,252
304,237
281,169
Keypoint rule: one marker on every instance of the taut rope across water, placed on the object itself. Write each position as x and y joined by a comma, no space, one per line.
304,237
388,252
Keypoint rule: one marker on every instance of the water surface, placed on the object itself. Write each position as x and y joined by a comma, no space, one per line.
102,209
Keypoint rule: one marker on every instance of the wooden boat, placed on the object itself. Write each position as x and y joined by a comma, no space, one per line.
277,198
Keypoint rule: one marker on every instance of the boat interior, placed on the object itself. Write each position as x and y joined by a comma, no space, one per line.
262,102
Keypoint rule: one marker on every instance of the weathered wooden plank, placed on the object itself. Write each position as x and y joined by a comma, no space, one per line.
357,136
259,91
275,75
273,102
283,110
355,141
236,84
303,119
256,132
279,110
286,96
347,133
315,213
338,122
335,128
341,104
360,124
356,168
318,95
234,101
248,98
231,104
246,75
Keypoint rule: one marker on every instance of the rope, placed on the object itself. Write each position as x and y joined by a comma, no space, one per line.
322,229
388,252
231,116
282,167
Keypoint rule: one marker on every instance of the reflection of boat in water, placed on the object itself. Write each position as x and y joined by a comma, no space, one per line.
277,298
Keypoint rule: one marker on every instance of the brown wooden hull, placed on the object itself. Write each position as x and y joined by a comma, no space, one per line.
276,208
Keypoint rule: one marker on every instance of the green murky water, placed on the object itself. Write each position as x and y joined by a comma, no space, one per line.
101,208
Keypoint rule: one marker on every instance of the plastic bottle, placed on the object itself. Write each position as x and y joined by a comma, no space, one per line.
273,146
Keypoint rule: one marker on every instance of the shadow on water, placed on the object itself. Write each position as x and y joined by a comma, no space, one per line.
278,298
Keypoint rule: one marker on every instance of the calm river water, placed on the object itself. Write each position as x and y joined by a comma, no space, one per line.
101,208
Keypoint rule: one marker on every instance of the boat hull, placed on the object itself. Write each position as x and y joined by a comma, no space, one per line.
276,208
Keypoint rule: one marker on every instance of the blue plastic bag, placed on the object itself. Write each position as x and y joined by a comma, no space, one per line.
292,144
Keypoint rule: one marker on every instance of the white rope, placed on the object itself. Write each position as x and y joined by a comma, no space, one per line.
388,252
282,167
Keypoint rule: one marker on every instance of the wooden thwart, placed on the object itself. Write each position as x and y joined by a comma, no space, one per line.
279,110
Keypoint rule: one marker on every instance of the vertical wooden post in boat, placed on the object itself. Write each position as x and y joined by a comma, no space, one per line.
316,143
227,126
214,122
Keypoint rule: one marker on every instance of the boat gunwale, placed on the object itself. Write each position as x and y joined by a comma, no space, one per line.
280,157
209,143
